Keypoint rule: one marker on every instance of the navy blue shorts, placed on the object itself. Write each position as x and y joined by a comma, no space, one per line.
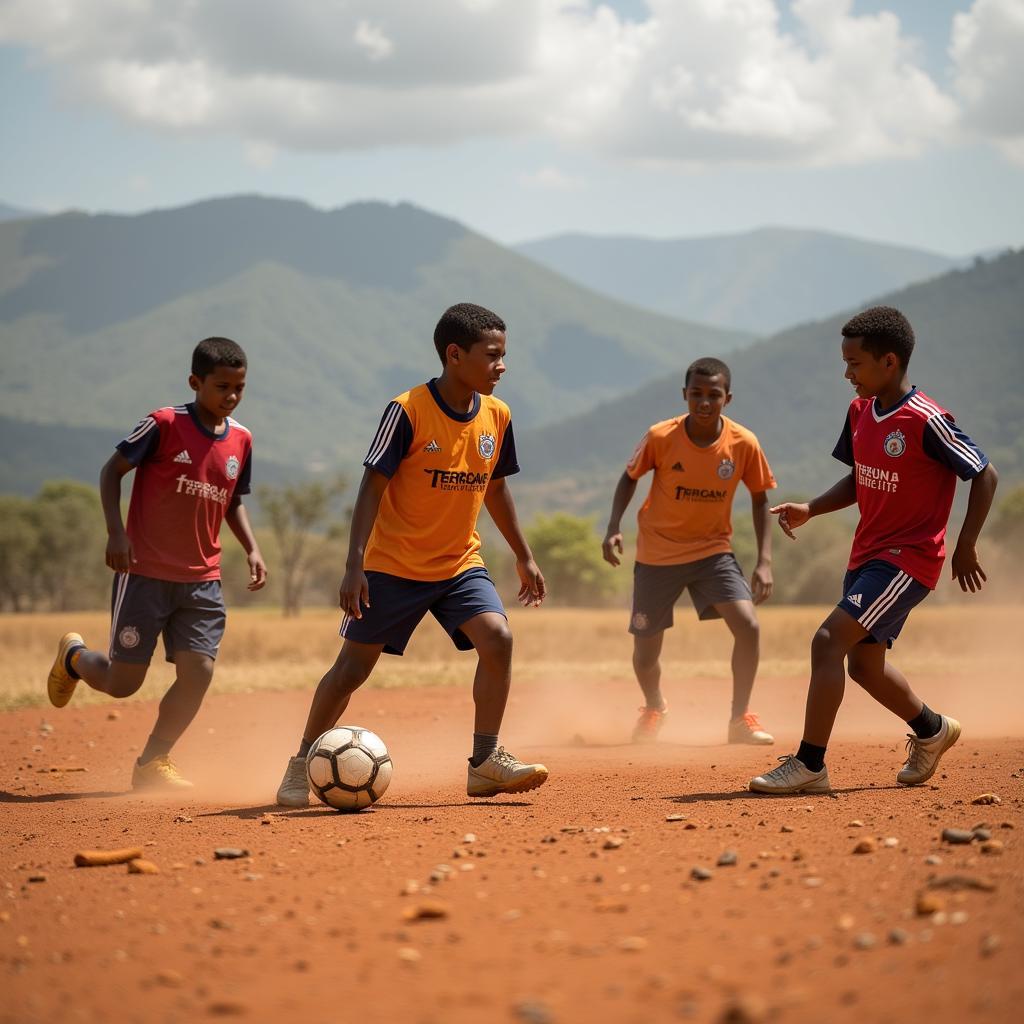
716,579
190,616
397,607
880,596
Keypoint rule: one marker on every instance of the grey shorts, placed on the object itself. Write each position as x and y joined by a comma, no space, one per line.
189,615
716,579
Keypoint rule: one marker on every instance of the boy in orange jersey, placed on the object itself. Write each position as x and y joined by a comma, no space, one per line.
442,450
684,536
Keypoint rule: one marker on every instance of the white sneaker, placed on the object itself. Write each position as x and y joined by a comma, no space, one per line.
748,729
294,788
792,776
923,755
502,773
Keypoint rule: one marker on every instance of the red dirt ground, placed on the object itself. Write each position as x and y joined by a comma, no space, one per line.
546,921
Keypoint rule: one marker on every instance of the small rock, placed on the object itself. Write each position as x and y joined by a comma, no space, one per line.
532,1012
957,836
856,823
169,978
813,882
845,922
182,819
990,943
37,878
959,917
632,943
229,853
898,937
142,867
933,859
675,817
865,846
890,842
427,910
113,716
744,1009
787,828
409,955
701,874
612,843
865,940
987,798
727,858
992,847
928,903
226,1008
469,837
958,882
981,833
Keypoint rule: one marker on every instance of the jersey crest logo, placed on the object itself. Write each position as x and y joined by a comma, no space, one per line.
487,444
129,637
433,448
678,467
183,456
895,444
726,468
231,467
854,599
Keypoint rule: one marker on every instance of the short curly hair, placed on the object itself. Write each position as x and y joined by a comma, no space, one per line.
882,329
462,325
709,367
213,352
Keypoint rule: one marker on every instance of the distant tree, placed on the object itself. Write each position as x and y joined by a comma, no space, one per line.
1008,522
18,533
68,554
298,515
568,550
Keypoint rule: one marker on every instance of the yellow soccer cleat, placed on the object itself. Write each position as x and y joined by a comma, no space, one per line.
59,684
158,774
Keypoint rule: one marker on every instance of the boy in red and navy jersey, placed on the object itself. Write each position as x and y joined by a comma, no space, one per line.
906,453
192,465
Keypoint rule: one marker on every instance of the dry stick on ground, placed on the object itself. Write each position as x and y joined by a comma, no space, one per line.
101,858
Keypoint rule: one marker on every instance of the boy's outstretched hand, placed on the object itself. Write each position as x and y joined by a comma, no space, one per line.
354,592
967,570
119,555
257,571
761,584
792,514
609,546
533,590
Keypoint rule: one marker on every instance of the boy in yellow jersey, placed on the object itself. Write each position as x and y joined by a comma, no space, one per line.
683,541
442,450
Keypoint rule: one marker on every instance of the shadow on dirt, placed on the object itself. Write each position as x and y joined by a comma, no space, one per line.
47,798
319,810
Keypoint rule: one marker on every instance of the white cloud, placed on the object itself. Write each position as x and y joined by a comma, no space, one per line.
701,81
551,179
988,52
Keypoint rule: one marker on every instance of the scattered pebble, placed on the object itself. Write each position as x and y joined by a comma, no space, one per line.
898,937
933,859
37,878
409,955
981,833
990,943
992,847
957,836
675,817
744,1009
787,828
890,842
612,843
469,837
113,716
532,1012
865,940
182,819
427,910
632,943
727,858
169,978
701,874
138,866
987,798
958,882
866,846
856,823
928,903
229,853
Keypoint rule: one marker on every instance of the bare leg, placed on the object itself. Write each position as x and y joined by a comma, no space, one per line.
490,635
647,666
350,670
835,638
116,678
181,702
741,619
884,682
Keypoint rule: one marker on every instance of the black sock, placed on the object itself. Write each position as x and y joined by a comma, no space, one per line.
484,745
926,724
813,757
304,748
67,661
155,748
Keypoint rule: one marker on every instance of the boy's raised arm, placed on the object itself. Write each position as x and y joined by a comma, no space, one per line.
501,508
967,571
354,591
611,546
793,514
119,555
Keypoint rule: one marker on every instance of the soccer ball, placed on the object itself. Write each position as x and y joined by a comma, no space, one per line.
349,767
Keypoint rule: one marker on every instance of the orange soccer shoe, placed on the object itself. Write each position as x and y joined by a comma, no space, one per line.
649,724
748,729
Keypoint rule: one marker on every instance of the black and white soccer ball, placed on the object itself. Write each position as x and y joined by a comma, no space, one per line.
349,767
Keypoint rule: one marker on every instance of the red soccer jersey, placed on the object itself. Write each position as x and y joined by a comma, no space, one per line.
905,464
185,479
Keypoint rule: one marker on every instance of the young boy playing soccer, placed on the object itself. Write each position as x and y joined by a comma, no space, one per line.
683,542
442,450
192,466
905,452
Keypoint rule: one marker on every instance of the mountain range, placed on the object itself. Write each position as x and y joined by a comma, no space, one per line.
761,281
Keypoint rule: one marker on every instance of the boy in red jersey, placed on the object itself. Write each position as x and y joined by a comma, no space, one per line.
442,450
193,464
905,452
684,540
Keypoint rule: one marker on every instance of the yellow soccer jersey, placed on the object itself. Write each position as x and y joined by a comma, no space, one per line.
439,463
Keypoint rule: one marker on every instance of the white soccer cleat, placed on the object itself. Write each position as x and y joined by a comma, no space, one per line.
792,776
294,788
923,756
502,773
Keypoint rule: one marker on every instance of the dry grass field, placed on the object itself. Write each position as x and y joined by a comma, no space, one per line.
263,651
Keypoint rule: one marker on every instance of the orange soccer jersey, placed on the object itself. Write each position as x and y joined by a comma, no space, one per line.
687,514
439,463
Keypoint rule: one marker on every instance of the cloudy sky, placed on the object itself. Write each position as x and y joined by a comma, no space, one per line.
899,120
